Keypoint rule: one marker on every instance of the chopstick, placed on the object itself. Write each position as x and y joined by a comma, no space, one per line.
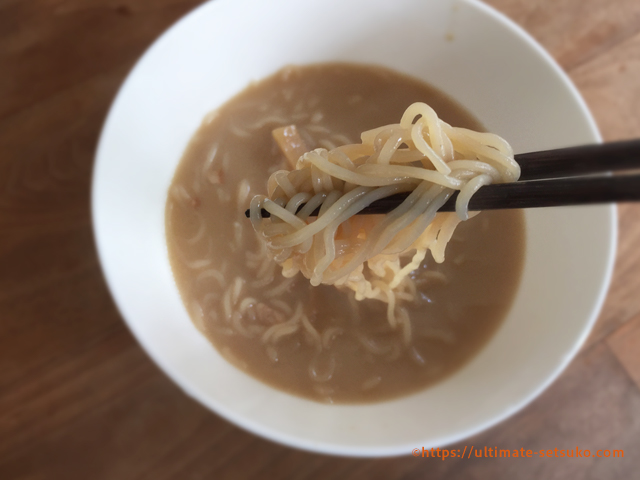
541,185
582,160
543,193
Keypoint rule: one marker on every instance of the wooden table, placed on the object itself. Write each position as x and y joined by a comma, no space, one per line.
79,399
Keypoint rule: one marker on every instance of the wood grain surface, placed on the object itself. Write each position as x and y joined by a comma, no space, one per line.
79,399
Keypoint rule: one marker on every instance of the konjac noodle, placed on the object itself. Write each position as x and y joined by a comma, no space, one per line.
366,253
362,308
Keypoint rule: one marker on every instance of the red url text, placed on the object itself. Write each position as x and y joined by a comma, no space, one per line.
494,452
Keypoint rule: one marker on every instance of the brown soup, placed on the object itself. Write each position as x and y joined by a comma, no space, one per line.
216,256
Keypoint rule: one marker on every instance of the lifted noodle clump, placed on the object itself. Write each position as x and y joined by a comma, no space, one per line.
372,254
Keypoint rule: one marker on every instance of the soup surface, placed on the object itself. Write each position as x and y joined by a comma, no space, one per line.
339,350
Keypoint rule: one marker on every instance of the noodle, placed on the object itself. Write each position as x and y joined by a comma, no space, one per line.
371,383
422,155
316,373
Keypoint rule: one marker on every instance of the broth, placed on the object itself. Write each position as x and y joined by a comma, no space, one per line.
345,351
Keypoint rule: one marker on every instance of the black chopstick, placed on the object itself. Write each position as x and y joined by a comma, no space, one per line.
582,160
543,181
535,194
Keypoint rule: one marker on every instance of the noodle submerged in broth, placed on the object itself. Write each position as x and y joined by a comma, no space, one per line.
366,309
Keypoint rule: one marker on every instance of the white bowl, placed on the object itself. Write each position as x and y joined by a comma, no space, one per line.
464,48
